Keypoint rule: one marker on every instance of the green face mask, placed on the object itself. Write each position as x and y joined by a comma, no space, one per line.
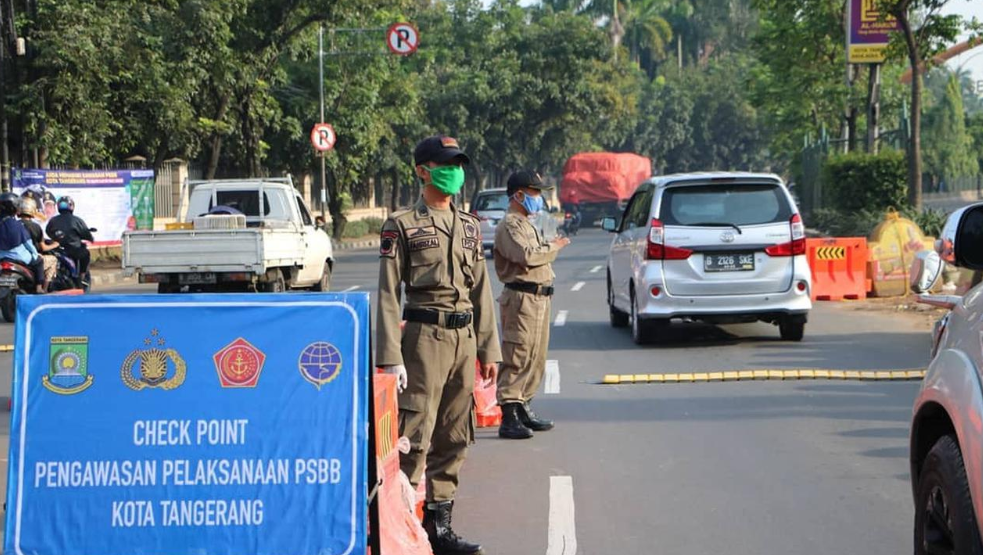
447,179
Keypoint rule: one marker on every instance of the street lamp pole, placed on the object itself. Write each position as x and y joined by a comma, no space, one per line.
320,83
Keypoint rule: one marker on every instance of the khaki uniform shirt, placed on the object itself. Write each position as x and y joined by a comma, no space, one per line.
521,254
442,269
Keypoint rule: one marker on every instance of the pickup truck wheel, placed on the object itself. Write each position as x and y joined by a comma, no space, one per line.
325,284
278,285
167,289
944,520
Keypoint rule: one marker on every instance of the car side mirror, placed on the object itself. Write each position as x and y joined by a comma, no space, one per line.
926,271
961,241
609,224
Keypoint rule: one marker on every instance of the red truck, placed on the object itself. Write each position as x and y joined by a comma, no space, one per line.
599,183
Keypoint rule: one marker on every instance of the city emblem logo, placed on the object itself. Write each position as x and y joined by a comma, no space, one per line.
239,364
320,363
153,367
68,365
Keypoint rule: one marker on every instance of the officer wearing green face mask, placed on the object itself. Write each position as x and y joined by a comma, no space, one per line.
434,252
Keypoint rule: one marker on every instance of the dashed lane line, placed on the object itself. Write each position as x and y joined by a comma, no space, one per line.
596,269
350,289
578,286
551,383
561,318
561,538
761,375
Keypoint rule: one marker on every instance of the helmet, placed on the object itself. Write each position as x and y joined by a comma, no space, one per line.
28,207
66,204
8,204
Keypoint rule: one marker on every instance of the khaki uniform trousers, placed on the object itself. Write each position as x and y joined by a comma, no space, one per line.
525,340
436,408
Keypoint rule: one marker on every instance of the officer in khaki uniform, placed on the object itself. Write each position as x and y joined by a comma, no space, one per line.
435,251
523,263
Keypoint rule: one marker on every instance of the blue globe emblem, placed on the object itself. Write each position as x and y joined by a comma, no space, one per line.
320,363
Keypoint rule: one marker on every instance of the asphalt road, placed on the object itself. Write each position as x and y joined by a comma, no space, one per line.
764,467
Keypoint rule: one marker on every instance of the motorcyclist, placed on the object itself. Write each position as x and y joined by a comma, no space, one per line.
15,241
28,211
70,230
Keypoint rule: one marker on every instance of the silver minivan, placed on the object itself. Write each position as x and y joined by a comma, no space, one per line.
716,247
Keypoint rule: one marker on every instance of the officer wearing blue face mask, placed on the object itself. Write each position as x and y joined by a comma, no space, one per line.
523,262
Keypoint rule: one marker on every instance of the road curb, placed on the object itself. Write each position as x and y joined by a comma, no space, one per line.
111,278
354,245
762,375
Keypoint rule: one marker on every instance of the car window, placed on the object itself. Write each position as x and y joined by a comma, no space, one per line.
491,201
630,218
640,214
731,204
246,202
305,215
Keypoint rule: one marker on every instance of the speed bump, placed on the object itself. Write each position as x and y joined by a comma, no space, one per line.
6,348
758,375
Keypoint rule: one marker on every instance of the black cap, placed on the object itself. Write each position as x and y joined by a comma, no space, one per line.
524,178
439,149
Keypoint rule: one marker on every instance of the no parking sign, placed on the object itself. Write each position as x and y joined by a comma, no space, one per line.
402,39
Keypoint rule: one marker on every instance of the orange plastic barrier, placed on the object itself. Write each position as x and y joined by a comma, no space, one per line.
487,412
401,532
839,268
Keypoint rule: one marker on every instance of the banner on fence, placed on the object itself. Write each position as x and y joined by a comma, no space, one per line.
112,201
220,424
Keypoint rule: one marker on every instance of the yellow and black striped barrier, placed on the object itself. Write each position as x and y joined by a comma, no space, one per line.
761,375
830,253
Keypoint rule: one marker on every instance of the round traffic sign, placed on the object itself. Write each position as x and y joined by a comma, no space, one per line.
323,137
402,39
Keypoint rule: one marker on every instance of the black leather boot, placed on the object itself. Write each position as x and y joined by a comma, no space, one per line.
531,421
443,540
512,426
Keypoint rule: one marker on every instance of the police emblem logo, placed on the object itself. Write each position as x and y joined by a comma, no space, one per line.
239,364
470,230
320,363
155,367
68,366
387,243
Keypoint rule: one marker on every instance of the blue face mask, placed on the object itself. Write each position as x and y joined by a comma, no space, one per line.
532,204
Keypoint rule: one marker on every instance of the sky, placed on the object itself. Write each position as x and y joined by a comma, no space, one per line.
971,60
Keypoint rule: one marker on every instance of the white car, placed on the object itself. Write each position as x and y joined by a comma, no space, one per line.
716,247
490,206
946,450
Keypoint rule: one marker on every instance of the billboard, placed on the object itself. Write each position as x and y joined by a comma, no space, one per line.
868,33
183,425
112,201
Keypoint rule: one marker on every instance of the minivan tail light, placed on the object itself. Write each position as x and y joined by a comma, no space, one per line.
658,250
794,247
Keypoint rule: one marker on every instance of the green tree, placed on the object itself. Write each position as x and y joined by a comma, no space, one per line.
948,153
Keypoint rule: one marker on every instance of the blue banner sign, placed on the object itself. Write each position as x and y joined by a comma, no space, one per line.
189,425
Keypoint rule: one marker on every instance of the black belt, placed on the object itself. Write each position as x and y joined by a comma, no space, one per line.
545,290
451,320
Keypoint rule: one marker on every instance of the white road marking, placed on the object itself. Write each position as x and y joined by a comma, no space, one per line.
578,286
551,385
561,538
561,318
350,289
596,269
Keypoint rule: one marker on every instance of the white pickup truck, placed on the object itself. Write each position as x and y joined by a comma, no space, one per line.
238,235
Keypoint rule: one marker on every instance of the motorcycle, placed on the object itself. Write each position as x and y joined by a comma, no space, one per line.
571,222
17,278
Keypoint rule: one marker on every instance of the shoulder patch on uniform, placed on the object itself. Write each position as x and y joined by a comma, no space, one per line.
422,243
471,230
424,231
387,243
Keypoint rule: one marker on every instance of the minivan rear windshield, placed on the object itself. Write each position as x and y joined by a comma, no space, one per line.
725,204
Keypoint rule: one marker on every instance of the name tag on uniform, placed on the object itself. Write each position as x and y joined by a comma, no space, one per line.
470,243
424,243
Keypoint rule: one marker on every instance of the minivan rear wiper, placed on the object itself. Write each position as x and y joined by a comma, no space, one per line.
718,224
